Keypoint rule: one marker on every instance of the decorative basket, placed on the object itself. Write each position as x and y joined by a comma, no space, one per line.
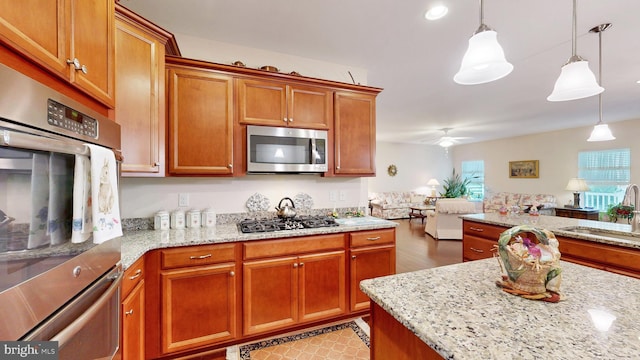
531,267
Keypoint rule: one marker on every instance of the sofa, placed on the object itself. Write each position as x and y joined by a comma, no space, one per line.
394,204
493,202
444,222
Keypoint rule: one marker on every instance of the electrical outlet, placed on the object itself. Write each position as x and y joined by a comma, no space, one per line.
343,195
183,199
333,195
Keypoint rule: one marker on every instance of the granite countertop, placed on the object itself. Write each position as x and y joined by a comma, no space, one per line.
556,224
137,243
458,311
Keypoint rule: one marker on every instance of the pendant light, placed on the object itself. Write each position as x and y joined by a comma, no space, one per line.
601,131
576,81
484,60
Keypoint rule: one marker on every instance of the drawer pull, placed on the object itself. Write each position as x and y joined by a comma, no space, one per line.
233,273
136,274
353,257
130,312
295,265
373,238
476,250
200,257
476,229
301,264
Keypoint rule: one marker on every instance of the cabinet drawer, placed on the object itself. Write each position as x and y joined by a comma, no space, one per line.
491,232
197,255
292,246
607,255
132,276
475,248
373,237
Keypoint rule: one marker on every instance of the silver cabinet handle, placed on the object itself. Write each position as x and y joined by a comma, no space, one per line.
476,250
156,164
373,238
200,257
136,274
130,312
290,119
233,273
230,166
77,66
301,264
353,257
284,119
476,229
337,167
295,265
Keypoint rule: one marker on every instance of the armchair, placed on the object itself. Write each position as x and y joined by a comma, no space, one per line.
444,222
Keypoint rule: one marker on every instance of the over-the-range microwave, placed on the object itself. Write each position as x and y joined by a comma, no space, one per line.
286,150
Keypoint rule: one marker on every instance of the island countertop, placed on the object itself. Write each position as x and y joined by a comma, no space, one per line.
458,311
558,225
137,243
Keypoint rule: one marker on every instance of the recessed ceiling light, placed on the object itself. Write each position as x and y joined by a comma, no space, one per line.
436,12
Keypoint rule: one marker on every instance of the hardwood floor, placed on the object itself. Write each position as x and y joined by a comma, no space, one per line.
416,250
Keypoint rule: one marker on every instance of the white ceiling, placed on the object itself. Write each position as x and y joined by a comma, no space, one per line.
414,60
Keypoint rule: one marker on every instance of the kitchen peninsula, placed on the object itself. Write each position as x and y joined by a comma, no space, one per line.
457,312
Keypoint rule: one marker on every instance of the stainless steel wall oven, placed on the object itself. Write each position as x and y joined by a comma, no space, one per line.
50,287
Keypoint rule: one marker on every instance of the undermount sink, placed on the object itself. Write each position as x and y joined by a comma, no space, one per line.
603,233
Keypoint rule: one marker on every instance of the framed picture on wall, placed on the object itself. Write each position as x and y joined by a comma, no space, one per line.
524,169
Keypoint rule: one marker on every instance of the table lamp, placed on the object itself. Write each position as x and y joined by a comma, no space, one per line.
433,183
577,185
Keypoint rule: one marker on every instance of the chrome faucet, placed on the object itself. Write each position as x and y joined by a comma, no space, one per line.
636,206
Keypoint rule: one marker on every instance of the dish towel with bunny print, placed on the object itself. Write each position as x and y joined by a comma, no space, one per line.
105,205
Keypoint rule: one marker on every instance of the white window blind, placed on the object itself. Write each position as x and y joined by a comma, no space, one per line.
607,172
474,171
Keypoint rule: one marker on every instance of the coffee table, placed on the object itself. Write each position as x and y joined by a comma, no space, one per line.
417,212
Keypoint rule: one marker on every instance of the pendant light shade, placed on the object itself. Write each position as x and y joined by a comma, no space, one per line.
484,60
601,131
576,80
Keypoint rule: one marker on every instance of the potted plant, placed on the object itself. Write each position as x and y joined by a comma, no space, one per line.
620,211
455,186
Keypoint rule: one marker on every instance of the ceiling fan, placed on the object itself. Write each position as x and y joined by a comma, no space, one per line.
445,141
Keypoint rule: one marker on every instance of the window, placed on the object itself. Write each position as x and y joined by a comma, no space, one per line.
474,171
607,172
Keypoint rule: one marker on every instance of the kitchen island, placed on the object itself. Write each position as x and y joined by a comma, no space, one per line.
457,312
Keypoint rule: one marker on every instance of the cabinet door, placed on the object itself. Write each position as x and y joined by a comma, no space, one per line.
368,263
310,107
92,44
262,102
270,294
355,134
133,324
200,122
322,285
140,98
198,306
41,34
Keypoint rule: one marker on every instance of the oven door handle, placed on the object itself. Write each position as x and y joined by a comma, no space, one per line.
43,143
67,334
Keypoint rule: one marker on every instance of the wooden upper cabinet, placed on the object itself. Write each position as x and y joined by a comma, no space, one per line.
200,105
72,38
140,93
272,103
354,134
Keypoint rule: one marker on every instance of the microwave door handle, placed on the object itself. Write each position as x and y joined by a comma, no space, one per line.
67,333
314,151
34,142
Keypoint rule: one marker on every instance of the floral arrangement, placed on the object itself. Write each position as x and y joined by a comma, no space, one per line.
620,211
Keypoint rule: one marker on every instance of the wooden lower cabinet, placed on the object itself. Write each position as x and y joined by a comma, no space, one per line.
372,254
479,240
133,324
289,290
198,306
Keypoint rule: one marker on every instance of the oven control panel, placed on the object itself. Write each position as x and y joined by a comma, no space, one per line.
64,117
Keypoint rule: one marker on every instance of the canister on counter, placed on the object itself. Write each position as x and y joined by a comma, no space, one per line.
208,217
193,218
161,220
177,219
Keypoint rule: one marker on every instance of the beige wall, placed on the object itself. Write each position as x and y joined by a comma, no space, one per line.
558,155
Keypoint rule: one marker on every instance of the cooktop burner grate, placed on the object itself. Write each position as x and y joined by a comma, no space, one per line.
276,224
